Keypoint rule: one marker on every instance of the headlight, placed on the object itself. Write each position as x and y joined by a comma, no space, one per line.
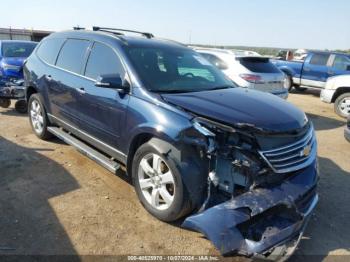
11,67
206,126
201,129
286,81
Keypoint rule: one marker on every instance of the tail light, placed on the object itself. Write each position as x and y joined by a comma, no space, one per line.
256,79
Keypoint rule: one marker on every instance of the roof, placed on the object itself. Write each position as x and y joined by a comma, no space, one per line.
122,39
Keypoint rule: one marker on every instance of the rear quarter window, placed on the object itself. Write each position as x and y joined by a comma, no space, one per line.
258,65
72,55
48,50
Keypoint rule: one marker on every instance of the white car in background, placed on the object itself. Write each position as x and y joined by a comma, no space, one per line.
255,72
337,91
244,52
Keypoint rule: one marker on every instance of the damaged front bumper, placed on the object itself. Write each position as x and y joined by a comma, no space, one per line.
12,90
267,222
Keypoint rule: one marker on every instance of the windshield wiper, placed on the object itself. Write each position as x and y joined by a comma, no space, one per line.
222,87
173,91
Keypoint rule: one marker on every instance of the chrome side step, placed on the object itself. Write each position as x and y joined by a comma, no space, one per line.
85,149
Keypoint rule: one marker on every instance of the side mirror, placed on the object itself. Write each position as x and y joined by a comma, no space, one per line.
113,81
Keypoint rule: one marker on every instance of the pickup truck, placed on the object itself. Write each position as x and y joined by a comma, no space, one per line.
314,71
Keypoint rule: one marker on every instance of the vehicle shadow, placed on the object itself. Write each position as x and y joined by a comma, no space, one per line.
325,123
12,112
28,224
309,91
329,227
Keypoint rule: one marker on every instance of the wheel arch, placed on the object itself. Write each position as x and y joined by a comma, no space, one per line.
29,91
339,92
193,168
289,72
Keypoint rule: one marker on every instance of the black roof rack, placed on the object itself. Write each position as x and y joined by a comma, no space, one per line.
78,28
113,30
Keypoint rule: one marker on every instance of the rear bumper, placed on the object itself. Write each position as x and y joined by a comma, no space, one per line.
261,222
282,94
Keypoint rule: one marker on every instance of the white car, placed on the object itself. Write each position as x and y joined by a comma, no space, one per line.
337,91
255,72
244,52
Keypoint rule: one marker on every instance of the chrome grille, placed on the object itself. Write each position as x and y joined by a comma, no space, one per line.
294,156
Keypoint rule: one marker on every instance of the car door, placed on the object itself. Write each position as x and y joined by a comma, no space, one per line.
65,82
340,65
316,70
103,110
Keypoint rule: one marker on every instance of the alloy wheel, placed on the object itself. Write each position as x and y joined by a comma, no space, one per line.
344,106
36,116
156,181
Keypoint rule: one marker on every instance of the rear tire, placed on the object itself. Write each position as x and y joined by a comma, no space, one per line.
21,106
158,184
38,117
342,105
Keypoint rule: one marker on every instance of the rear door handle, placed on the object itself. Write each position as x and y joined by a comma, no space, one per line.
81,90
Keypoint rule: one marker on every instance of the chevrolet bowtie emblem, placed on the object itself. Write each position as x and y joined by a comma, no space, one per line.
306,151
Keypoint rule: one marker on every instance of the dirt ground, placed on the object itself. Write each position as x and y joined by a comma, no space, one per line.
55,201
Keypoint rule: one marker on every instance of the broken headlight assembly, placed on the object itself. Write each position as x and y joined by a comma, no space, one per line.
234,163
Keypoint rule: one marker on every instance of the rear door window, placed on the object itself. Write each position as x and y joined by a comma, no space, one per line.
103,60
72,55
258,65
319,59
341,63
48,50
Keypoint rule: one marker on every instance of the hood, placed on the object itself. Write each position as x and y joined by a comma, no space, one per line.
16,61
242,107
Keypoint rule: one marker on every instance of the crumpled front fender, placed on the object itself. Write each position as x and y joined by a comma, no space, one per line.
260,219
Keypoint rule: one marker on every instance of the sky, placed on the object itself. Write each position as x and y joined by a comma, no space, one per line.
312,24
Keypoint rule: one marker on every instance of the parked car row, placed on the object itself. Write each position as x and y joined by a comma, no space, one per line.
240,164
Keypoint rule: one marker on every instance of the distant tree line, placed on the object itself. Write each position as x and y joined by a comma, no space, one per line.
268,51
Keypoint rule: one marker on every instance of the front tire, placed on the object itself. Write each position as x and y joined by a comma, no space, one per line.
342,105
5,103
37,117
288,83
158,184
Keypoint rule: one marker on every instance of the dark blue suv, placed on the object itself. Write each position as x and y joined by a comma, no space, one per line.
243,162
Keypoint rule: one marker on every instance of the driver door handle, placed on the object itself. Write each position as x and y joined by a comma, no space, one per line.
81,90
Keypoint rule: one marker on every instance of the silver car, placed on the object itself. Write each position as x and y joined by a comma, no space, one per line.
255,72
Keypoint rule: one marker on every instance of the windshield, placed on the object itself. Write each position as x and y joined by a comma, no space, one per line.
17,49
169,70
